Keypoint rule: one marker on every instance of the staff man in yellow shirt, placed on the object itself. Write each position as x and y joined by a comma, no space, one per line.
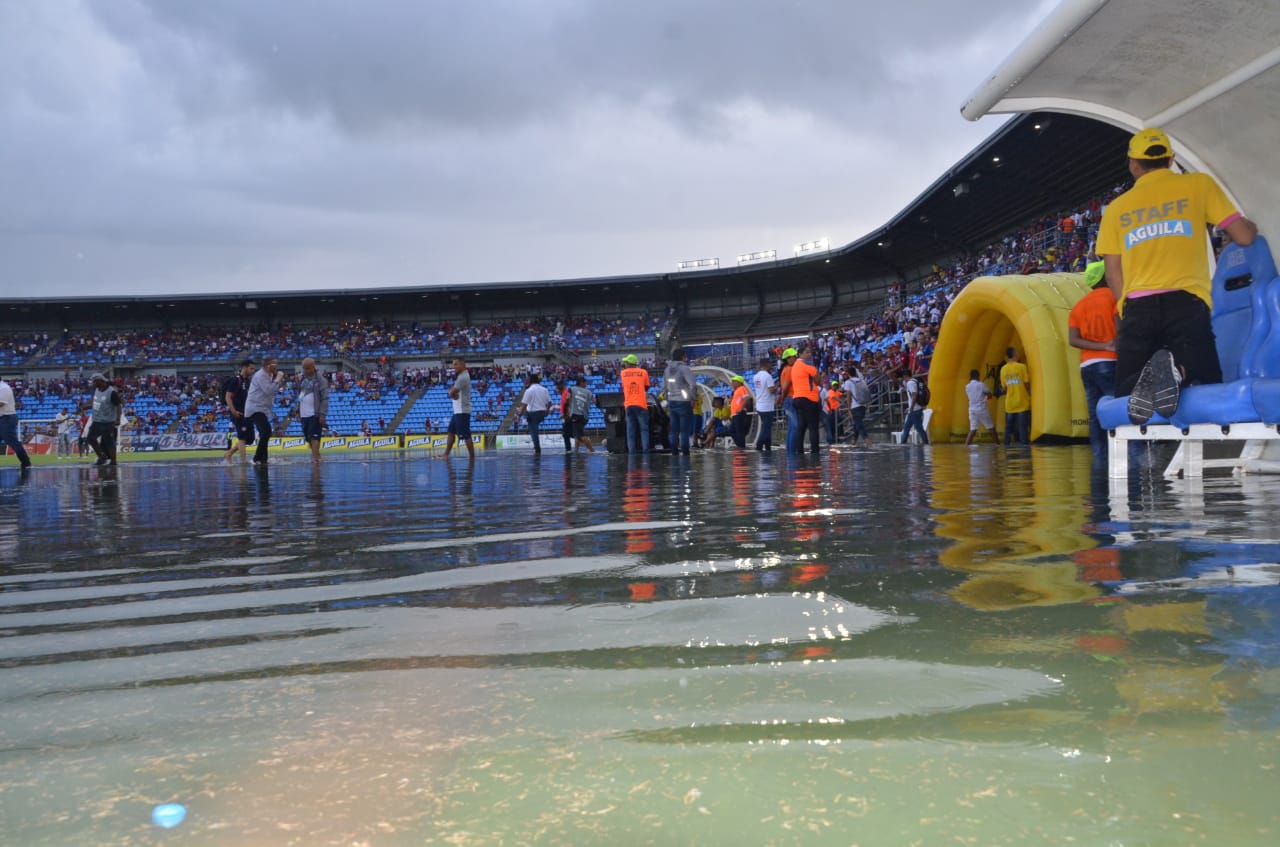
1016,383
1154,241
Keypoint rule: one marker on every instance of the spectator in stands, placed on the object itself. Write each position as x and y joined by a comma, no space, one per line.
259,405
313,406
1159,273
9,424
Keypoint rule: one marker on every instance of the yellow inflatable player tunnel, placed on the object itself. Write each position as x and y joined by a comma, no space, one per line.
991,314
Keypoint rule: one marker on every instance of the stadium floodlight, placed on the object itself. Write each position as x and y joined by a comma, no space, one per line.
821,245
758,256
698,265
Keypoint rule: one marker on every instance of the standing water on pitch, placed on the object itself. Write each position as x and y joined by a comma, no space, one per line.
884,646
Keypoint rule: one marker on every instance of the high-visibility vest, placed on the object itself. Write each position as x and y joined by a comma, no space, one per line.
635,382
804,380
833,400
740,395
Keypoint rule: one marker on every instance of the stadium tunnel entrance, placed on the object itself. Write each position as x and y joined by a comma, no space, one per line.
1028,313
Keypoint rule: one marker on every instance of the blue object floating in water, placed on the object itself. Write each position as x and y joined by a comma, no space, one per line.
168,815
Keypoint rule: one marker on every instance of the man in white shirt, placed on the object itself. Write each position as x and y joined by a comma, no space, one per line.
859,394
460,423
260,404
914,408
9,424
63,424
313,405
535,404
766,391
979,413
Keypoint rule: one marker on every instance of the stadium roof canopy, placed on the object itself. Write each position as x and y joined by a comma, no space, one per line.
1205,71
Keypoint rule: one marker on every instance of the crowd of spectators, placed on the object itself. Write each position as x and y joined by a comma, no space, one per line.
900,337
361,341
904,334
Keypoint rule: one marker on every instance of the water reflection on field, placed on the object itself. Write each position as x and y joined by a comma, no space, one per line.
890,646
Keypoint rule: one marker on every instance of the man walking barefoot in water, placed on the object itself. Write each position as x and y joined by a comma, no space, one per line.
460,423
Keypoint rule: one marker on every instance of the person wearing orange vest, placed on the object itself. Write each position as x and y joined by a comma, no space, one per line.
739,423
804,394
1091,327
832,411
635,398
788,404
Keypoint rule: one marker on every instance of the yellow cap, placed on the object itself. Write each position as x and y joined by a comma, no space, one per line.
630,359
789,353
737,378
1150,144
1094,272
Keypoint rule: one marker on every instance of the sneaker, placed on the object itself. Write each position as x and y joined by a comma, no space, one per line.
1157,389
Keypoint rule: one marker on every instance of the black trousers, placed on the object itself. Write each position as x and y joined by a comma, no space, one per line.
1178,321
739,425
263,426
810,415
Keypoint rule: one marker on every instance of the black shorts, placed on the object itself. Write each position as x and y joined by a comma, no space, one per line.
244,429
460,425
311,428
577,425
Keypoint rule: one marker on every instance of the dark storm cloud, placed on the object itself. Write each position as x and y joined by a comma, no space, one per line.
153,146
485,65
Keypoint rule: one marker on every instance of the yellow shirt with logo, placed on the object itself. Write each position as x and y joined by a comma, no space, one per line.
1014,378
1158,229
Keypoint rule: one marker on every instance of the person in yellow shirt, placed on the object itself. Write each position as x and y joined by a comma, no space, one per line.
1153,240
1016,383
718,424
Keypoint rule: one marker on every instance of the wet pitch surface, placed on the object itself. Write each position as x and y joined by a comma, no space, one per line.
897,645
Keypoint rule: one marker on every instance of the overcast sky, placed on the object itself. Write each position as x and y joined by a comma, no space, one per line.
153,146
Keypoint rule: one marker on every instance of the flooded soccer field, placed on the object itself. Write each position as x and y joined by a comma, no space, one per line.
887,646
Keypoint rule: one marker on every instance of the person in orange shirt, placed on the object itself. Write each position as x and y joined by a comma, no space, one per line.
635,398
740,420
831,416
788,402
804,394
1091,327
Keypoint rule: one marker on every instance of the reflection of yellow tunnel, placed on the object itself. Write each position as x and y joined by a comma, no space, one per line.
1003,514
1026,312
